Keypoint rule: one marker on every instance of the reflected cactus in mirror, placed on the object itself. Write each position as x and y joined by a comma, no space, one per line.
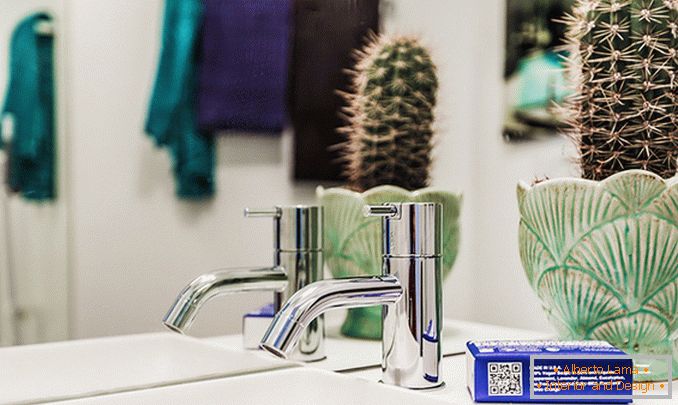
387,158
389,115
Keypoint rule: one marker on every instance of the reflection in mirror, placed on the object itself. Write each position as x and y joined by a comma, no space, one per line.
156,122
33,223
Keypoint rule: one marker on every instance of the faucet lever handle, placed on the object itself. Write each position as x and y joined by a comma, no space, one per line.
386,210
410,228
262,212
295,227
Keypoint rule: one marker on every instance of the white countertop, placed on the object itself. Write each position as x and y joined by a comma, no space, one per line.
84,368
361,358
292,386
170,366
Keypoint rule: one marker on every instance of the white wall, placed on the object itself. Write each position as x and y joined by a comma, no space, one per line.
38,232
134,245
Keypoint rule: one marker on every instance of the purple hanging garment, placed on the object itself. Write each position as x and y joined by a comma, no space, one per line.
243,68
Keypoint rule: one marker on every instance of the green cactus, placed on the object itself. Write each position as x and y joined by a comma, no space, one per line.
622,55
389,115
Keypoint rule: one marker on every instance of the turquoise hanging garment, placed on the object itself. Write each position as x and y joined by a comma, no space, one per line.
30,103
172,113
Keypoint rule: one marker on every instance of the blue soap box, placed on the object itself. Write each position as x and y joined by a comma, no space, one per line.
564,372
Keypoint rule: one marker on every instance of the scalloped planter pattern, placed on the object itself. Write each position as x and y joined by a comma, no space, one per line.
353,242
603,258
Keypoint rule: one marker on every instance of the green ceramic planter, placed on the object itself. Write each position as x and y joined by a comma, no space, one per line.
353,242
603,259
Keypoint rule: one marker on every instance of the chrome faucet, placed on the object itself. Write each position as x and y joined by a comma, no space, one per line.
409,288
298,261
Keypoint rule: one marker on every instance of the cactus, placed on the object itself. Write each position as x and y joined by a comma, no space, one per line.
622,55
389,115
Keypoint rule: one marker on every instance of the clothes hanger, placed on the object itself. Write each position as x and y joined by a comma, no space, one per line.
44,27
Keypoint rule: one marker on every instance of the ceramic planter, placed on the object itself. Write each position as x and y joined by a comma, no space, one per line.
603,258
353,242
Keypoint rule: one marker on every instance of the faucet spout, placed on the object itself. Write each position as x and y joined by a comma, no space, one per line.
207,286
315,299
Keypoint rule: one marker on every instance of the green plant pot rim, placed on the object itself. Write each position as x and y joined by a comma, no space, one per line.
386,188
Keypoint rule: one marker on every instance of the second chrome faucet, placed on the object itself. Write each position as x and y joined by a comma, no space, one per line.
297,261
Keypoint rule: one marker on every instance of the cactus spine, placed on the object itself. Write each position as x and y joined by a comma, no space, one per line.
389,115
623,112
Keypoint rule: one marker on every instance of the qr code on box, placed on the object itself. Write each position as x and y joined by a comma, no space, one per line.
505,378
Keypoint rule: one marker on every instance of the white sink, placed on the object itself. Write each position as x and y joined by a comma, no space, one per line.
295,386
65,370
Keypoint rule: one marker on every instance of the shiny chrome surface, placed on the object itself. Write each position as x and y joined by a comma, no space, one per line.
295,227
315,299
207,286
297,259
411,351
303,268
410,290
412,229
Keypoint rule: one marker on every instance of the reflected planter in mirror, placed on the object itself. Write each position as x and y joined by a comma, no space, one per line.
353,242
603,259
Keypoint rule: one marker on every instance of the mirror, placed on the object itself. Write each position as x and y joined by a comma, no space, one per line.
136,217
34,241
